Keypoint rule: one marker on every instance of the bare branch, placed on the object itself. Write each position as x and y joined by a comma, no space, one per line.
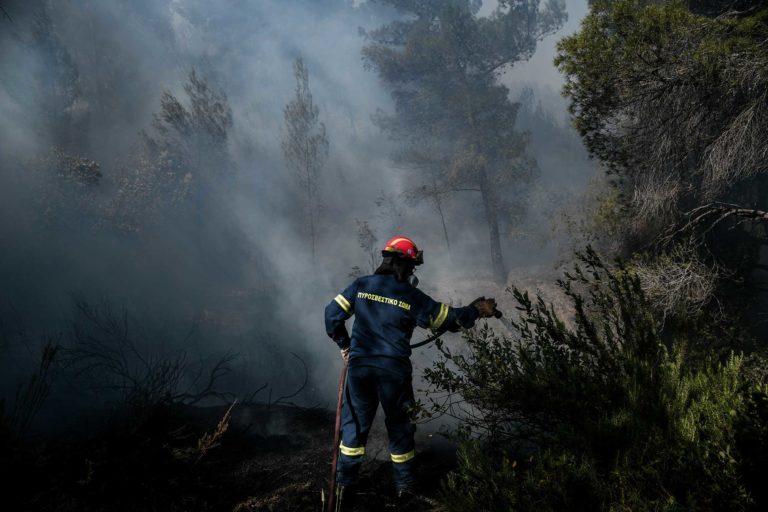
300,389
709,216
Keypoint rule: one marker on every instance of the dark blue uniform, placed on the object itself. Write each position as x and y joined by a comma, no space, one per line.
386,312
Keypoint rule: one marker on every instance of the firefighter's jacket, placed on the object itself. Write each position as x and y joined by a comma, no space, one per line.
386,312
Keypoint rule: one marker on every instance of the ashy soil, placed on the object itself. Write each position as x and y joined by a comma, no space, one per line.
271,458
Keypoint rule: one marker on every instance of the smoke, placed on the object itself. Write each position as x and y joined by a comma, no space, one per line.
87,77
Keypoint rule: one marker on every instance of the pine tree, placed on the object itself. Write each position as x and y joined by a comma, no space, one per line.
442,61
305,146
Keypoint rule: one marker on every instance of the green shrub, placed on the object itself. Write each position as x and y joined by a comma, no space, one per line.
485,482
612,415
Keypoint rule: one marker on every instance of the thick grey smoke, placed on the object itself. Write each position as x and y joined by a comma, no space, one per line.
86,77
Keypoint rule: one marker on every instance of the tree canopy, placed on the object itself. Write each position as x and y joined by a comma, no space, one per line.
442,62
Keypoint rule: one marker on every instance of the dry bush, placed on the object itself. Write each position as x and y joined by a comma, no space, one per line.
108,353
677,281
654,202
739,152
30,395
208,441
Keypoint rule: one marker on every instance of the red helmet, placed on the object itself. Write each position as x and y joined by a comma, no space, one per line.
404,248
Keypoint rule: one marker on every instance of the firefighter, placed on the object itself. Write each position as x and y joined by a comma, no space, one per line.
387,307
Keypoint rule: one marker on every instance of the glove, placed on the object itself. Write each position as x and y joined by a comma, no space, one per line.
341,336
486,307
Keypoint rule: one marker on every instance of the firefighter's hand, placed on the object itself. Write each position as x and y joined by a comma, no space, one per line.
486,307
345,355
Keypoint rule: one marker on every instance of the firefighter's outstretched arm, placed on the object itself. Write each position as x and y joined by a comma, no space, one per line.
486,307
441,317
336,314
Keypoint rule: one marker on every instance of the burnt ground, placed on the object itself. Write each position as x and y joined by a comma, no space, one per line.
271,458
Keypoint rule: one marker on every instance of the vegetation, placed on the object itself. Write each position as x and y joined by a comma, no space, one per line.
305,146
672,102
109,354
442,63
368,242
28,400
179,168
649,391
160,430
69,186
604,413
651,394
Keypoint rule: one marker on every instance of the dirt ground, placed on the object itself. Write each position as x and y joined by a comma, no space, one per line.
270,459
299,465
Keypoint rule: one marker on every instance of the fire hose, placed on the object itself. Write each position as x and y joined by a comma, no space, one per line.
336,438
334,498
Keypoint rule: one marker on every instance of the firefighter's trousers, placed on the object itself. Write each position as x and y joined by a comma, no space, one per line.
367,386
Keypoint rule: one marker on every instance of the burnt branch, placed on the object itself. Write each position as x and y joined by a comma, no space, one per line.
105,353
31,394
281,400
250,399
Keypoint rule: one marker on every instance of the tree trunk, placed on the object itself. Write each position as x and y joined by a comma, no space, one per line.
311,211
439,206
491,216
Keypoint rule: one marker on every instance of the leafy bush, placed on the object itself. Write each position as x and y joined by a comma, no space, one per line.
606,411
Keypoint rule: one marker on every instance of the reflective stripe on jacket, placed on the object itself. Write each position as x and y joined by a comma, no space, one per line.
386,312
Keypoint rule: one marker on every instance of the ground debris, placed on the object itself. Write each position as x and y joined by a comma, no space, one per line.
268,458
295,496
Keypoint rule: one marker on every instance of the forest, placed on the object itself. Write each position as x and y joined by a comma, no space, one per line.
185,185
